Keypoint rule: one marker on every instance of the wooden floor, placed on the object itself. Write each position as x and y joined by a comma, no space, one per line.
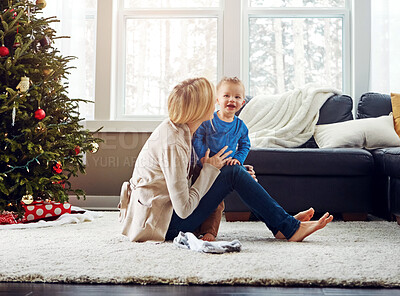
19,289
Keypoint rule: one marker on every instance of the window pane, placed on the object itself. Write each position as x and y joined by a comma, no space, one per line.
170,3
162,52
91,4
285,53
297,3
80,25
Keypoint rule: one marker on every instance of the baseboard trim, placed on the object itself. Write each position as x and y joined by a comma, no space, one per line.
96,202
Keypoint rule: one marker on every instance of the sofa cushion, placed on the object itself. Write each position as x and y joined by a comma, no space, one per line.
361,133
387,161
373,105
337,108
317,162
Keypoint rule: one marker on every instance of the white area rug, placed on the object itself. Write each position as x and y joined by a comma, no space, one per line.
345,254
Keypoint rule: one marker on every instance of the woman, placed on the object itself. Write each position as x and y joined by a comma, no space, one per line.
159,200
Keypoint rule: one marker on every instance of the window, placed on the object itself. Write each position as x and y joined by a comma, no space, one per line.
145,47
162,43
295,42
385,56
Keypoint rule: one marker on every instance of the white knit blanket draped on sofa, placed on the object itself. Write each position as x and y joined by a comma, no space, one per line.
285,120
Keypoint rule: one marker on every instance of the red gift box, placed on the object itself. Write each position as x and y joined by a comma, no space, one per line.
44,210
8,218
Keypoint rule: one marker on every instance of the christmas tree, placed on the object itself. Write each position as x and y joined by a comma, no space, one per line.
41,139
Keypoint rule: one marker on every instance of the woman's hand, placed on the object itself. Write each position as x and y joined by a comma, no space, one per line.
218,160
251,171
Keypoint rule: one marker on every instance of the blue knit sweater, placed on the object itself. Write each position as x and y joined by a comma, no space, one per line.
220,134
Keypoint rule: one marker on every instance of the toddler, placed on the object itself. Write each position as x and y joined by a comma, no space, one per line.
225,129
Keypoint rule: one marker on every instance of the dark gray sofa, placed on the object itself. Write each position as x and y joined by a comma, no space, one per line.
348,181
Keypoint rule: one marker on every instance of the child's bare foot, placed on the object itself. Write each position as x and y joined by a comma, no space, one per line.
208,237
309,227
303,216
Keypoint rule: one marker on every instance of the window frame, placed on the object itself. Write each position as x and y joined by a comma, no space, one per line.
233,56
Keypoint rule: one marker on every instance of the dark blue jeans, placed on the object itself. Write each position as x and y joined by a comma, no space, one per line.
252,194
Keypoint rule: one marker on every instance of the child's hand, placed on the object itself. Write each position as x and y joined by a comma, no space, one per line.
251,171
233,161
218,160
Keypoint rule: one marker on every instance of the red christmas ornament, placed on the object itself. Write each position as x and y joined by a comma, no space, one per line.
4,51
40,114
57,168
77,150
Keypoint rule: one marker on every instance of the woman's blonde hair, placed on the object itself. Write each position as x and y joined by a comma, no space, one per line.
191,100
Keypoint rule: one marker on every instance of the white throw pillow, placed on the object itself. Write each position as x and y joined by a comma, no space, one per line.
370,133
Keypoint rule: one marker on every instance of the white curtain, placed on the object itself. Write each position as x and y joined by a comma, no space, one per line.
78,21
385,46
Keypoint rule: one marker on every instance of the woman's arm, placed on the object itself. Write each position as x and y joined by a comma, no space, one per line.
174,166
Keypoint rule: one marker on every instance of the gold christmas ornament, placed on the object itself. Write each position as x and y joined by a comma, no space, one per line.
41,3
27,199
94,147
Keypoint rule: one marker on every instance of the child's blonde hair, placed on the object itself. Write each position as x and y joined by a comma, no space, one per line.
233,80
191,100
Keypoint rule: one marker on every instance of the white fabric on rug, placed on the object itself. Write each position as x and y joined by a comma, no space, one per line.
187,240
83,216
285,120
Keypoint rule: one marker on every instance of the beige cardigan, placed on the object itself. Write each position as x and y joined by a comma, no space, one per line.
160,184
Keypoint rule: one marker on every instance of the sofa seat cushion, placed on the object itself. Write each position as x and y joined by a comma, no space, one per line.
387,161
311,162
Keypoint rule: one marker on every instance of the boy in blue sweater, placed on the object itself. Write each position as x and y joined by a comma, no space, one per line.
225,129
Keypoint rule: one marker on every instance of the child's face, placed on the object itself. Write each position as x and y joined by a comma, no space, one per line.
230,98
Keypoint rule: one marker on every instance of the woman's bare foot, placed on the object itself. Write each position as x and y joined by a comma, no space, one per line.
303,216
208,237
309,227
